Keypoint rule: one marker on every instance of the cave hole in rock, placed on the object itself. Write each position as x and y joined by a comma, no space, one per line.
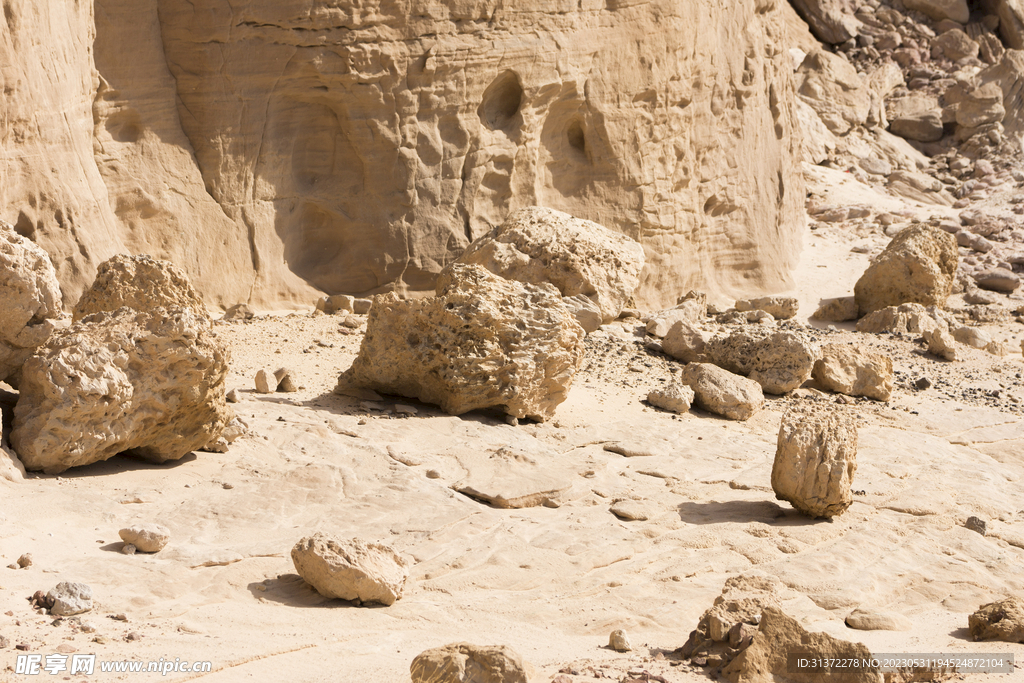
501,102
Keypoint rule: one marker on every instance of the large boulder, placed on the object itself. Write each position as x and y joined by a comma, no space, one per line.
815,460
351,570
1002,620
538,245
780,361
918,266
916,117
767,659
141,283
721,392
150,383
482,342
466,663
30,301
854,371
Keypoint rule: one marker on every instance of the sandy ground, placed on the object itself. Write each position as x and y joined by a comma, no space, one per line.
550,581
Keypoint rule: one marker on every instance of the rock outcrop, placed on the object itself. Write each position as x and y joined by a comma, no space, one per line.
918,266
273,150
1002,620
538,245
149,383
815,461
722,392
854,371
466,663
483,341
351,570
30,301
141,283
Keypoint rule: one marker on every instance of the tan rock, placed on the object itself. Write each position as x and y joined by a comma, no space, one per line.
941,343
619,641
149,538
905,318
778,635
971,336
586,312
779,307
956,45
465,663
832,87
955,10
832,21
483,341
981,106
685,341
854,371
1002,620
918,266
70,598
150,383
266,383
877,620
740,605
837,310
722,392
30,301
780,362
815,460
538,245
351,570
916,117
660,323
675,398
141,283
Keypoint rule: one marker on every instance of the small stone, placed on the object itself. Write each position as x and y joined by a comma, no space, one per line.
24,647
630,510
433,474
133,636
285,381
361,306
263,382
405,409
619,641
941,343
149,538
88,627
351,570
233,396
976,524
922,383
25,561
70,598
675,398
128,549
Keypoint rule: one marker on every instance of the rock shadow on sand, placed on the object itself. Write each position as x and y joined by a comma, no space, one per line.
293,591
743,512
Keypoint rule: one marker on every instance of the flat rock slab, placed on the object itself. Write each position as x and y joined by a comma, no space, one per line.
513,479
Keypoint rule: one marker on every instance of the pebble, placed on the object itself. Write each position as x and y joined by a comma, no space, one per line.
976,524
25,561
128,549
922,383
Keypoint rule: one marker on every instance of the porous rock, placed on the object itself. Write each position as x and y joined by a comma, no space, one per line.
30,301
815,460
141,283
721,392
854,371
1002,620
538,245
727,625
780,362
918,266
466,663
778,636
837,310
779,307
150,383
997,280
351,570
69,598
941,343
148,537
483,341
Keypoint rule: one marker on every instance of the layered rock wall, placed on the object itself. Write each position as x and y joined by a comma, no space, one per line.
274,147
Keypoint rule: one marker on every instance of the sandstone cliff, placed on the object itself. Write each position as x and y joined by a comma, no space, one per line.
274,148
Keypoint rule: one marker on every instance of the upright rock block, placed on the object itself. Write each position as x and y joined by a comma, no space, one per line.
815,461
150,383
482,342
30,301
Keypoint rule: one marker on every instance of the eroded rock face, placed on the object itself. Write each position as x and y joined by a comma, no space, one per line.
351,570
150,383
918,266
141,283
466,663
539,245
815,461
483,341
30,301
854,371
